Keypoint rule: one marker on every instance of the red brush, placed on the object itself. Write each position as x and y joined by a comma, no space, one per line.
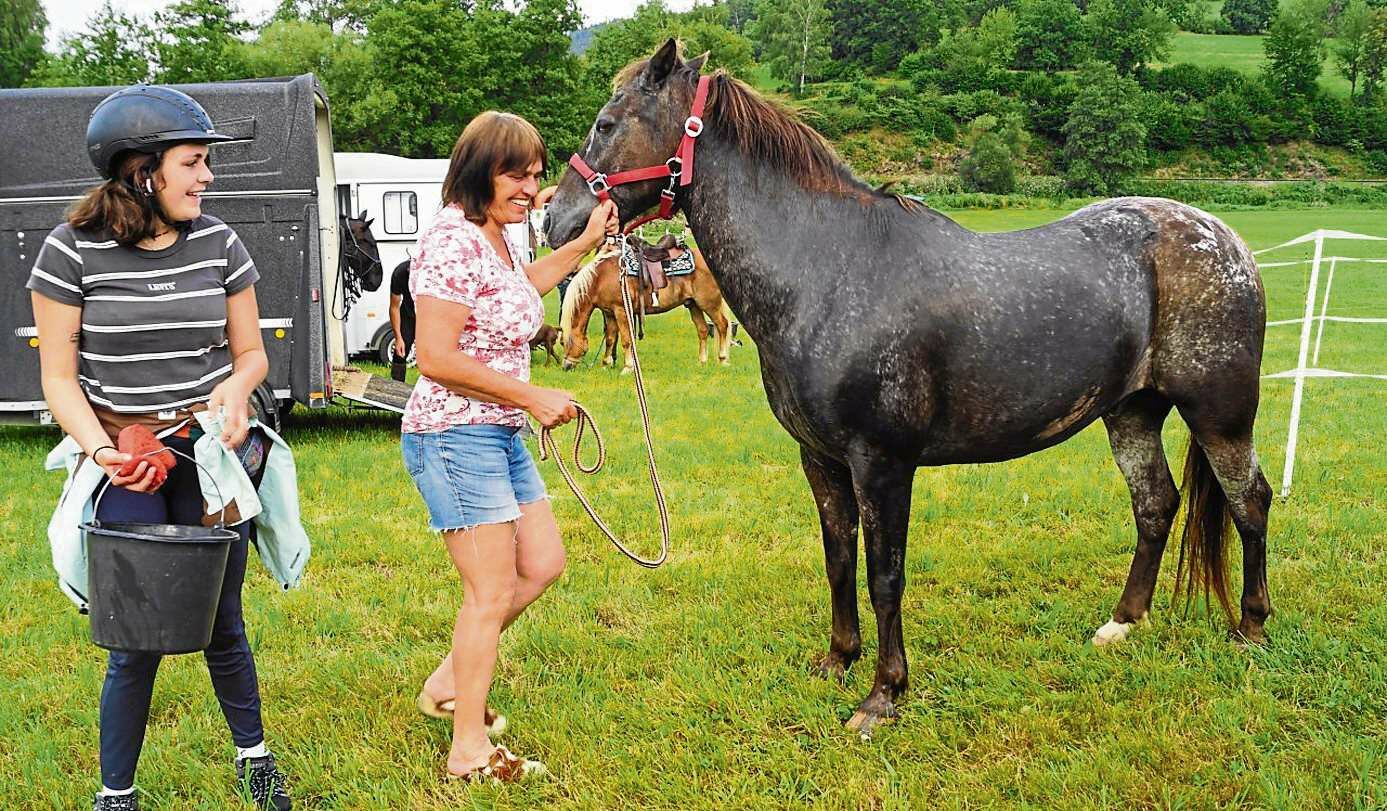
137,441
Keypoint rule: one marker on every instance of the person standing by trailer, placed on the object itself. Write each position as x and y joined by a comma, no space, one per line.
401,320
146,314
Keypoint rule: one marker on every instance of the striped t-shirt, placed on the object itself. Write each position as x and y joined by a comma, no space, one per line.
153,322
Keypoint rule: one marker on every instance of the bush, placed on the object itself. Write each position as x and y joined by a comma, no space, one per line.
1041,186
1186,82
989,166
1170,125
1046,99
1248,16
1105,141
968,106
994,148
1050,35
834,119
1334,122
1230,120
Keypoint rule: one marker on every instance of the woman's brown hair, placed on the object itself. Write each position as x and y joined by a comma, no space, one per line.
123,208
490,144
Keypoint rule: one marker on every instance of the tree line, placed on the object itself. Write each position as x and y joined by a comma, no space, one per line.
1005,79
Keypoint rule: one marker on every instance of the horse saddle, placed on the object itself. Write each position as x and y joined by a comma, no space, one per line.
653,264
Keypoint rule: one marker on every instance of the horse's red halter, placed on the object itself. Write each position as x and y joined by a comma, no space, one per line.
679,168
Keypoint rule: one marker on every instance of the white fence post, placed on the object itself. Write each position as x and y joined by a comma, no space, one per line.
1324,309
1310,296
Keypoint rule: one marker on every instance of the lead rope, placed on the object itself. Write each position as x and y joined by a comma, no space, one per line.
548,447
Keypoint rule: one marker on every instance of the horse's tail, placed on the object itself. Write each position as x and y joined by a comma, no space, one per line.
577,291
1207,532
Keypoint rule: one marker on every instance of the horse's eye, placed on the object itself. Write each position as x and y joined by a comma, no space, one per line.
605,125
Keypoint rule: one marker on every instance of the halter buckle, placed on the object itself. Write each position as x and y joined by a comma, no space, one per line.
693,126
597,184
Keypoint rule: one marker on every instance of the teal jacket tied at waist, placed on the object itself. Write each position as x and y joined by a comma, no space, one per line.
280,538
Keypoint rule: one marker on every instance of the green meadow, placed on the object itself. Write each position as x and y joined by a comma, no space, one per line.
689,686
1243,54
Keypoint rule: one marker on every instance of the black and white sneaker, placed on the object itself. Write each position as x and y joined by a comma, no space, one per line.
116,802
266,783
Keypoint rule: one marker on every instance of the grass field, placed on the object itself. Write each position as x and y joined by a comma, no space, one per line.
1241,53
688,687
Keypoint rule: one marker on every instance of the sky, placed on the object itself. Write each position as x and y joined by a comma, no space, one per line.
70,16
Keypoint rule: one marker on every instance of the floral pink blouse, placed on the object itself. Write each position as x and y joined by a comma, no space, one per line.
455,262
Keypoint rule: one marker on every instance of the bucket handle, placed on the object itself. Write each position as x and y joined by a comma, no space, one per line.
221,522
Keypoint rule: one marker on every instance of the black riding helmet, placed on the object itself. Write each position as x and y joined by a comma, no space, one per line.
149,119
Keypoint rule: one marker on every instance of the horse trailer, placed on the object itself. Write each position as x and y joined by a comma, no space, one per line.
278,190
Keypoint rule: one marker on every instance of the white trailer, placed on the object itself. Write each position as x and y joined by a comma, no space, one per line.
401,196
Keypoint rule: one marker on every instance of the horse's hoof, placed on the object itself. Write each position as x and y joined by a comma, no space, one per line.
1251,636
1112,633
864,722
626,370
832,666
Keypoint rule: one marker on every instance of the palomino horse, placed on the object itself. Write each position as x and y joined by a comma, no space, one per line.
595,288
890,338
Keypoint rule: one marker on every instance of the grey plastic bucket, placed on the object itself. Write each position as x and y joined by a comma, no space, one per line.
154,587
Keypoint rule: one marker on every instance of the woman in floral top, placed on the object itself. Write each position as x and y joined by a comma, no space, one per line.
477,306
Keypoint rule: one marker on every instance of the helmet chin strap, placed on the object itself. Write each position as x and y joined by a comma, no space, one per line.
146,190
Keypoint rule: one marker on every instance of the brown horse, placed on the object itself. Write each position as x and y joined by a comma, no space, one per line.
595,288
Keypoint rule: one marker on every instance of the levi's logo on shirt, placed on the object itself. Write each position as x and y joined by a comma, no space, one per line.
162,286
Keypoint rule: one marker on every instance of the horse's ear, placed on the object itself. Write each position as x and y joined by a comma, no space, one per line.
364,213
696,64
662,63
367,223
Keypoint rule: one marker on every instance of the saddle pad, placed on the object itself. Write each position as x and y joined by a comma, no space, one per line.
631,261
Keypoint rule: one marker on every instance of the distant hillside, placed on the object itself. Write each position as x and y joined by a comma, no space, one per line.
580,40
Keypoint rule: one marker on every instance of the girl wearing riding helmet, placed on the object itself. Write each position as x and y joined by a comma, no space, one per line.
146,313
477,306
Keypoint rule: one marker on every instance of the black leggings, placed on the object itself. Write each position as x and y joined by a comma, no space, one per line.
129,687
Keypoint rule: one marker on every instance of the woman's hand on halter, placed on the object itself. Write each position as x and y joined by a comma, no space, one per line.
602,223
551,407
111,460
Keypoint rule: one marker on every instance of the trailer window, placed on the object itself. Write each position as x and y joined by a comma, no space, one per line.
401,212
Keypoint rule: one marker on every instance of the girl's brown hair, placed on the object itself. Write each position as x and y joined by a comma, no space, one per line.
124,207
490,144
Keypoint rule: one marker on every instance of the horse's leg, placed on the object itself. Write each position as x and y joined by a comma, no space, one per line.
1134,432
831,483
723,329
882,485
1229,451
624,331
702,327
609,335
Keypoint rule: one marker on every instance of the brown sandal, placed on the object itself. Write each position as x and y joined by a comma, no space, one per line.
502,767
495,722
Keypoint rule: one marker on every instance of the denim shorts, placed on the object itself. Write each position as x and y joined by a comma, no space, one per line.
472,474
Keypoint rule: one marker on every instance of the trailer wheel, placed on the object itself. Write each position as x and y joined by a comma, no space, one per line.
385,345
267,408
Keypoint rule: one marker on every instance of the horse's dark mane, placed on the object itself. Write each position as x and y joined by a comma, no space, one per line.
771,134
